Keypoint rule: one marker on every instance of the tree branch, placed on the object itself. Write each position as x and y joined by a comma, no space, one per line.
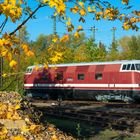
39,6
3,25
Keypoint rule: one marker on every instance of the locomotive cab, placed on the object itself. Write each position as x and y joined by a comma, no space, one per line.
133,70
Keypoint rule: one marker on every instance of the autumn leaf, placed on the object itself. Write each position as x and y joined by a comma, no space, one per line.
80,28
34,128
126,26
46,65
17,106
65,38
25,47
68,23
13,63
76,34
55,39
81,4
25,129
4,75
136,13
91,9
19,137
75,9
30,54
54,137
125,1
82,12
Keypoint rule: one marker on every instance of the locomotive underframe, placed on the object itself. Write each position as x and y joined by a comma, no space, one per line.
83,94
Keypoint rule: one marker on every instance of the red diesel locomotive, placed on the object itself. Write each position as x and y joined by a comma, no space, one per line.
119,80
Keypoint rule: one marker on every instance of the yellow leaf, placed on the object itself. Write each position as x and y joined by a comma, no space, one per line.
8,56
125,1
69,22
55,39
9,115
74,10
13,63
80,28
24,129
17,106
34,128
77,35
65,38
25,48
89,9
36,67
82,12
30,54
46,65
50,128
4,52
3,131
81,4
27,120
4,75
126,26
18,138
16,116
13,2
133,19
54,137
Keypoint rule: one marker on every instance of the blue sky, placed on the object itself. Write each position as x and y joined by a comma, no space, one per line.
43,24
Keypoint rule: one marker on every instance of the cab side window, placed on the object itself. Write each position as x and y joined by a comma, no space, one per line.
80,76
98,76
59,76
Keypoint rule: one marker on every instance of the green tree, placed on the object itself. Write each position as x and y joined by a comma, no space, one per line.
24,34
80,54
134,47
92,51
124,48
130,47
102,52
113,53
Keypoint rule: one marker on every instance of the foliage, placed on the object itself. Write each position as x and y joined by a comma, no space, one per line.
15,10
18,124
130,47
113,51
92,51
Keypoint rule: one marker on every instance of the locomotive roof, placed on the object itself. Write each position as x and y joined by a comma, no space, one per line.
90,63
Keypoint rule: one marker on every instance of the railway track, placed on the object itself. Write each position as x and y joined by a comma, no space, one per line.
82,103
119,116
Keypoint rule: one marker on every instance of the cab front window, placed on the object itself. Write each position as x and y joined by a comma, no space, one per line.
137,66
29,70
